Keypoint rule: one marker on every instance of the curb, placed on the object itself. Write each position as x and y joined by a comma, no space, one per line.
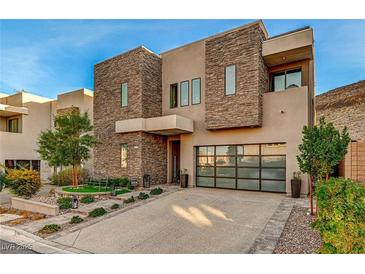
35,243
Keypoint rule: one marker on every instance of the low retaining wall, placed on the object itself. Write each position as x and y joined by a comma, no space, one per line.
33,206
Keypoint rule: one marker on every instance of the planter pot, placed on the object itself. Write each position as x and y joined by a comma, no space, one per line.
295,188
184,178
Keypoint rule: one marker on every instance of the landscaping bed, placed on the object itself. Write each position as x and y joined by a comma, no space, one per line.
298,236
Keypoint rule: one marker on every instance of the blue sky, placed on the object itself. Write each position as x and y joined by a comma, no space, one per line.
47,57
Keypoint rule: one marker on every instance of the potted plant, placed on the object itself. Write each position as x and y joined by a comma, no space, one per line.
184,178
296,184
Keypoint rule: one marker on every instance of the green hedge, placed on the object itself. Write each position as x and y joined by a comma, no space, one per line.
341,216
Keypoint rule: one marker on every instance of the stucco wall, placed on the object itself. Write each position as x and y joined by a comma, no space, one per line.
276,127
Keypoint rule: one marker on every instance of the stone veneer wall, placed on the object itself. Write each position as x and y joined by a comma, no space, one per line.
243,48
344,106
141,69
69,110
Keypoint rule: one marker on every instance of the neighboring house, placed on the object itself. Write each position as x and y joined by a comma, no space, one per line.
345,106
229,109
22,118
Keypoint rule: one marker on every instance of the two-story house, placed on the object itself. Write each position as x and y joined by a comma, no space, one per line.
229,109
23,116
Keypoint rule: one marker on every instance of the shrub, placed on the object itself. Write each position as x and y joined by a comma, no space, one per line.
97,212
143,196
156,191
48,229
129,200
115,206
121,181
64,177
76,220
87,199
64,202
129,185
3,180
24,182
341,216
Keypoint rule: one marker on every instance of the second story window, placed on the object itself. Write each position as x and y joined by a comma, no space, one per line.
13,125
286,79
195,91
230,80
184,93
173,96
124,95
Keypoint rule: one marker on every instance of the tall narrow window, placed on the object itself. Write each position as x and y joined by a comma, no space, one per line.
184,93
195,91
123,155
124,95
230,80
173,96
13,125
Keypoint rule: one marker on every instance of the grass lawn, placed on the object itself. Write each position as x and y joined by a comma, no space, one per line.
89,189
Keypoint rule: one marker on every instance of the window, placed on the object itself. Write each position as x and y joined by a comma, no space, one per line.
26,164
173,96
123,155
286,79
13,125
195,91
230,80
184,93
124,95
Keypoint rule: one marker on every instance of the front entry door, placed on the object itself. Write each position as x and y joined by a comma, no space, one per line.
175,161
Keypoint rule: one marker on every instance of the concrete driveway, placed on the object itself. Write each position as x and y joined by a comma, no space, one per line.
197,220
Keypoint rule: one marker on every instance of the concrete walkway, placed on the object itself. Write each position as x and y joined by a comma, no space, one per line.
195,220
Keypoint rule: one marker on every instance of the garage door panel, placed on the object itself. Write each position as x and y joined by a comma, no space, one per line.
225,183
205,181
248,184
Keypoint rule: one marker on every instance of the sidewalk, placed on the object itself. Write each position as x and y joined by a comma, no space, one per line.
35,243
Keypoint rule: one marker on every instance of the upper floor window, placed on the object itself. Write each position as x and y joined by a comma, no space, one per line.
123,155
230,80
173,96
184,93
195,91
13,125
124,95
286,79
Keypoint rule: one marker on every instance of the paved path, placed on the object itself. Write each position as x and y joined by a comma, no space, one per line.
197,220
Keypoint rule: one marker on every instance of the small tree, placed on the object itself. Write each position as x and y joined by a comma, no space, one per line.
322,148
69,144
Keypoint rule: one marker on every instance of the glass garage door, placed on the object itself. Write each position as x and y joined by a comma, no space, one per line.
260,167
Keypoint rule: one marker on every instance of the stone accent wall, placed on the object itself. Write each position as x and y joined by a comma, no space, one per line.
344,106
242,48
141,69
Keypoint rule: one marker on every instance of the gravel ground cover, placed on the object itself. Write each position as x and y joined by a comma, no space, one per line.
298,236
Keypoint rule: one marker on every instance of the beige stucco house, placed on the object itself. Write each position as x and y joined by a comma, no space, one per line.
228,110
23,116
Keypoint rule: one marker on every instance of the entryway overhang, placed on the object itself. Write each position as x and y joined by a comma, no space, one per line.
163,125
7,110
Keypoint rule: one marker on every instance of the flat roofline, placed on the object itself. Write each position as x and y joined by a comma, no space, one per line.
260,22
85,90
126,52
289,33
